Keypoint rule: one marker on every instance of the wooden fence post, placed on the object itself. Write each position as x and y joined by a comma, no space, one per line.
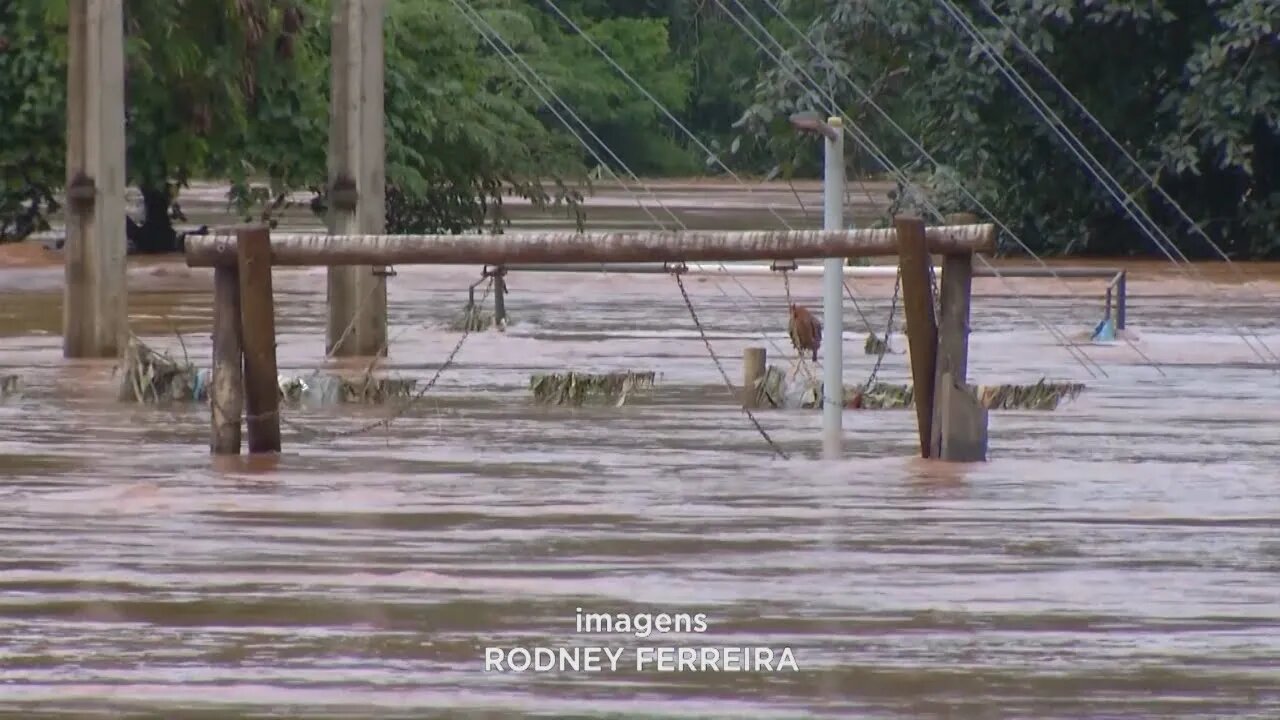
953,335
922,333
258,325
959,420
226,389
754,367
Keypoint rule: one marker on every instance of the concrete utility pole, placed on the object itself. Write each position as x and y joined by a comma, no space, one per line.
833,180
832,296
357,174
95,307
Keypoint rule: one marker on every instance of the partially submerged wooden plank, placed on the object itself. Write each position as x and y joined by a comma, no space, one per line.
226,396
258,328
754,365
953,332
534,248
964,423
922,333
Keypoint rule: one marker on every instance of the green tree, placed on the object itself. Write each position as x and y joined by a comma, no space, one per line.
1190,87
32,90
237,89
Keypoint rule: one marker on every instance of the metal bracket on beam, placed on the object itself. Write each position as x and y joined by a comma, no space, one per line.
675,268
778,266
82,193
343,194
385,272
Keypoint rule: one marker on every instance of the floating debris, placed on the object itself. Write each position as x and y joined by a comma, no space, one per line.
8,386
152,378
771,388
1104,332
334,389
472,319
574,388
1042,395
875,345
881,396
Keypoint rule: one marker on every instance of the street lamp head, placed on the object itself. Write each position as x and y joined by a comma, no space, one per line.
811,122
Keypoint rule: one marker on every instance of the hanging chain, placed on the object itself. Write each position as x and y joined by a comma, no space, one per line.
677,272
888,330
314,433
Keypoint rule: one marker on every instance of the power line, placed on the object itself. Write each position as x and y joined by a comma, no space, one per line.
490,34
871,147
1126,199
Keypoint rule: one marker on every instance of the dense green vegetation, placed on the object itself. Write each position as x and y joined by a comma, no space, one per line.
237,89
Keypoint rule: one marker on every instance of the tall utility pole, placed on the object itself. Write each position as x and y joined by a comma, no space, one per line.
357,174
95,306
832,295
832,132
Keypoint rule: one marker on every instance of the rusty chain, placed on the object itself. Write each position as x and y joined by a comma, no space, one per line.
314,433
676,271
888,330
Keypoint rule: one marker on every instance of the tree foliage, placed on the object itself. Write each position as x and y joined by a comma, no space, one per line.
1190,88
237,89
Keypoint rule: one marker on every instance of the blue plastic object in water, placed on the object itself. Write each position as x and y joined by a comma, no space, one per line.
201,389
1105,331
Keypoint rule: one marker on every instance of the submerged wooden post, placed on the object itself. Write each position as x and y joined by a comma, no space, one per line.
964,422
258,328
754,364
922,334
95,307
357,175
226,390
500,298
953,335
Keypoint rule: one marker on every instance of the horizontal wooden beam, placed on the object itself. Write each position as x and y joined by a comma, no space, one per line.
537,248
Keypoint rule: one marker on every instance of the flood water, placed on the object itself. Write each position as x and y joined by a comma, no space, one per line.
1116,558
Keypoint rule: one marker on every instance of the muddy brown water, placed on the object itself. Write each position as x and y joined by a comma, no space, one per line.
1116,558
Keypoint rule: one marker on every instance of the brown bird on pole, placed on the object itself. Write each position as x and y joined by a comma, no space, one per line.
805,331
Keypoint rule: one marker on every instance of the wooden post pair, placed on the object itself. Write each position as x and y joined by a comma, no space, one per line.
244,349
951,420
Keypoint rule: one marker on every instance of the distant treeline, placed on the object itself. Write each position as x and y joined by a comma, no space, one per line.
237,89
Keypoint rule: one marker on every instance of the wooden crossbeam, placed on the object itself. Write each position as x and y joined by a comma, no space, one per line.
535,248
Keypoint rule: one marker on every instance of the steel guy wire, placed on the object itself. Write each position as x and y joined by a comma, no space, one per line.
848,290
871,147
658,103
853,129
1126,199
874,150
929,157
476,19
1072,348
661,107
1149,179
459,4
